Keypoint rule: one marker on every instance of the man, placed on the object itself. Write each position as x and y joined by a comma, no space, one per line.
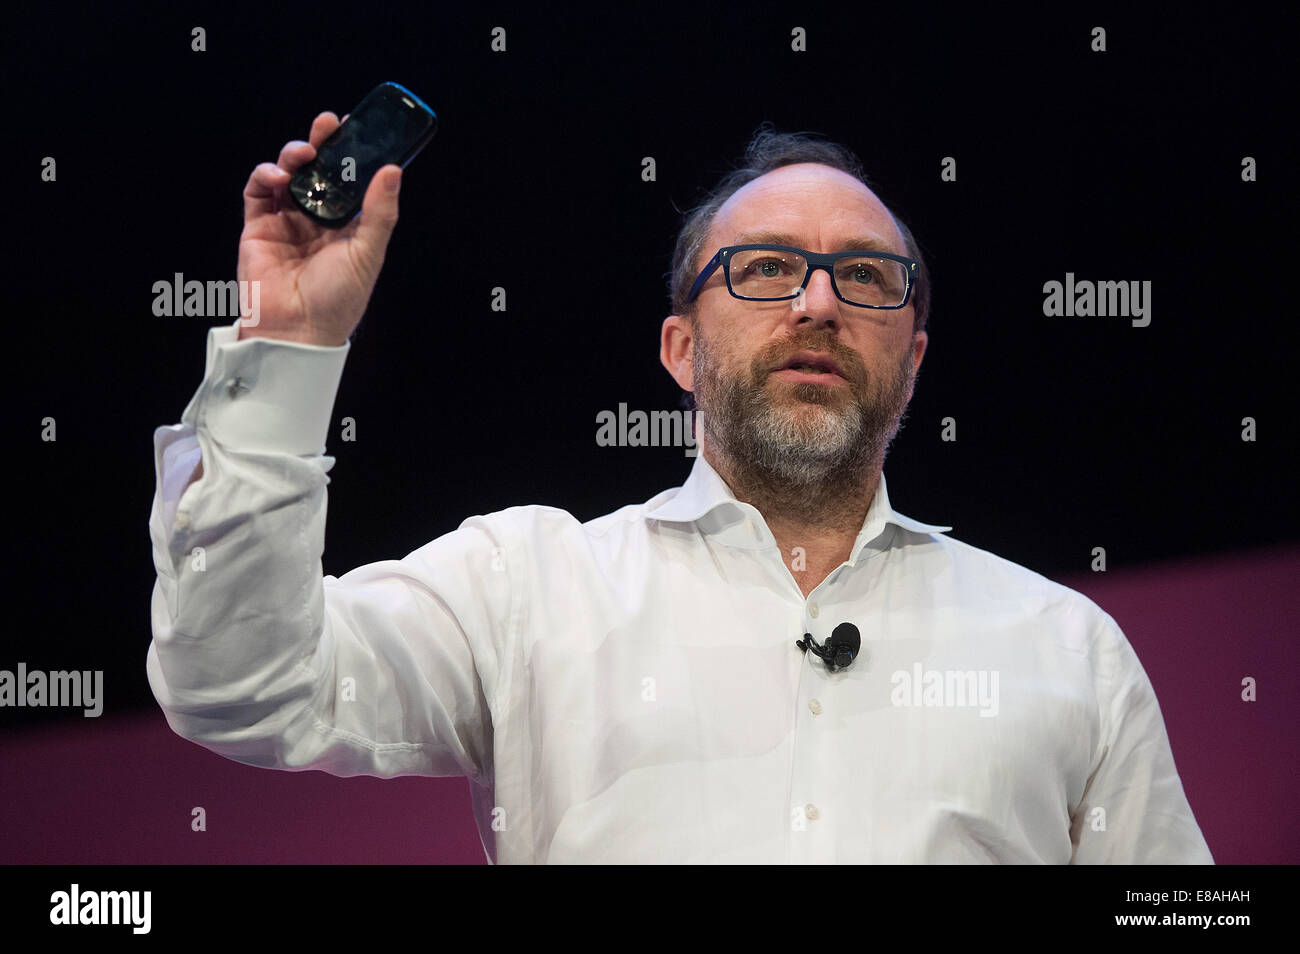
630,689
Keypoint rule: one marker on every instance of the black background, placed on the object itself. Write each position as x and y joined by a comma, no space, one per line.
1072,432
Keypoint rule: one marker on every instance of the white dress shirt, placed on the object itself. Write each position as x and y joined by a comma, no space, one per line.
629,689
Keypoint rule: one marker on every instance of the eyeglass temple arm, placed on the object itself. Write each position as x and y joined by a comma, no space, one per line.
708,270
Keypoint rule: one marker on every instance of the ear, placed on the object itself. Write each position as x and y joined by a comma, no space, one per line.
920,341
676,349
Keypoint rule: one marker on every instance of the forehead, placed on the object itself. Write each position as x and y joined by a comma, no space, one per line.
820,206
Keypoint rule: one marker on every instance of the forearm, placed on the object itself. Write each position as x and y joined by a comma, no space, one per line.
238,612
258,656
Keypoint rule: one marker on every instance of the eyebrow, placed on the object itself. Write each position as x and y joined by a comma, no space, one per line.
867,242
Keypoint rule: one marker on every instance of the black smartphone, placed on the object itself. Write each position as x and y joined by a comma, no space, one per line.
391,125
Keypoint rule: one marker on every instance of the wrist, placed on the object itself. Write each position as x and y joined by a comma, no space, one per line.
297,335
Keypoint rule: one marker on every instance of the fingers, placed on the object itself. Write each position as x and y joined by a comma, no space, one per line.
294,154
264,186
264,192
323,127
379,214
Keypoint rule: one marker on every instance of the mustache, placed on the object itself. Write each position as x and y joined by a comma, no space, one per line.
778,352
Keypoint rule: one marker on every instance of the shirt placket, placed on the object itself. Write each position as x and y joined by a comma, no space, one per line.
813,806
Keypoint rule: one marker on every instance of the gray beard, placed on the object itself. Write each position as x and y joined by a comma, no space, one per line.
808,456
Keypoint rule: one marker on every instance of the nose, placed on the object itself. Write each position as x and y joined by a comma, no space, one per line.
818,302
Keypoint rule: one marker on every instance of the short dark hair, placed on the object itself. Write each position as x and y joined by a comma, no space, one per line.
768,150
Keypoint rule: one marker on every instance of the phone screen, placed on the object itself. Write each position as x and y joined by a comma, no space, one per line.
390,125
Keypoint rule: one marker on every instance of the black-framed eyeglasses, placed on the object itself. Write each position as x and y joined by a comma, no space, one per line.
865,278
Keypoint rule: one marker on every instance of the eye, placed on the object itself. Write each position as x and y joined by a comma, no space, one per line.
767,268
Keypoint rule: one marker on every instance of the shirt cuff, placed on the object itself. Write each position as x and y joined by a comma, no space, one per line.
266,395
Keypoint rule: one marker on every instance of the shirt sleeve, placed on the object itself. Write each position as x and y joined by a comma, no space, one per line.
388,670
1133,810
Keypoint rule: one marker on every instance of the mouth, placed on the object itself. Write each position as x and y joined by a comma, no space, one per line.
809,366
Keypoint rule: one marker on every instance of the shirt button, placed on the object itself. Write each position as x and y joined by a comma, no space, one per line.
750,528
182,520
812,610
236,387
815,707
811,811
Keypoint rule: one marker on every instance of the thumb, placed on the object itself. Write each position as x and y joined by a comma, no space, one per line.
379,210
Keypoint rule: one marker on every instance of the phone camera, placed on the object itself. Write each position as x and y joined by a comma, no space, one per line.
317,191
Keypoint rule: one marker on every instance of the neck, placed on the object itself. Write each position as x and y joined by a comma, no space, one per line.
834,505
815,523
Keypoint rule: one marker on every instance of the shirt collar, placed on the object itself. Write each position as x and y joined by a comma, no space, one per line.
705,491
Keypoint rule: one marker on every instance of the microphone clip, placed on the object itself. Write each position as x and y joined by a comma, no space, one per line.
835,654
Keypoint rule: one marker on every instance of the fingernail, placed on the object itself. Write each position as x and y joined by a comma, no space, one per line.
394,183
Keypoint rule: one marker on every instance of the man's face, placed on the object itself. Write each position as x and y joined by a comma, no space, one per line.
784,423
